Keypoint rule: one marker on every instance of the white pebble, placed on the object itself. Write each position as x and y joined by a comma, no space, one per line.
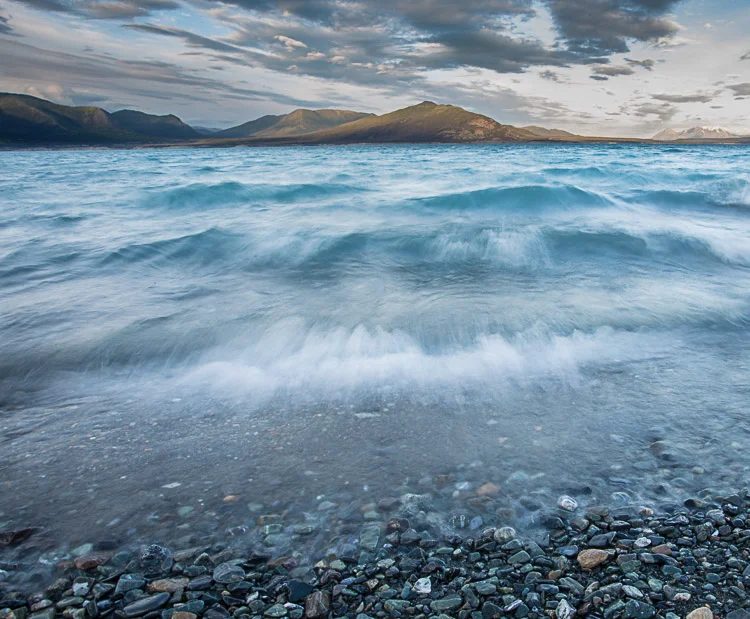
423,586
569,504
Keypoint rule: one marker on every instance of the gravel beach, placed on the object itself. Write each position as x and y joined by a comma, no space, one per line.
612,563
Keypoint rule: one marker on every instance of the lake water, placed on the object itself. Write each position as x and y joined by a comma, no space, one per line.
307,331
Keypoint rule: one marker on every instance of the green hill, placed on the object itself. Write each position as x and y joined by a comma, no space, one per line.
295,123
168,127
426,122
24,118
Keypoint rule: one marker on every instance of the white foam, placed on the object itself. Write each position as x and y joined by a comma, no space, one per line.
514,248
290,358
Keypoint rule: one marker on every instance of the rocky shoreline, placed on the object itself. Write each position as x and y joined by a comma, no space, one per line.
619,563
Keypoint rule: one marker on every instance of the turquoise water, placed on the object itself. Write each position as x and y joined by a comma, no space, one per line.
301,317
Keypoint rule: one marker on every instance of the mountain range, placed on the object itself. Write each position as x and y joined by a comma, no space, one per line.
27,120
425,122
695,133
24,118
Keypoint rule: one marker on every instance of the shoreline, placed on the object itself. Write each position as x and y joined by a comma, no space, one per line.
595,561
229,143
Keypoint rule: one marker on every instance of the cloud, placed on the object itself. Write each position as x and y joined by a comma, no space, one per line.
5,27
127,9
190,38
390,41
97,73
550,75
745,56
289,43
664,112
611,70
740,90
599,28
647,64
103,9
693,98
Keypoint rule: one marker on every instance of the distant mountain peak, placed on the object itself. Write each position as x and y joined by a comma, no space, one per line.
694,133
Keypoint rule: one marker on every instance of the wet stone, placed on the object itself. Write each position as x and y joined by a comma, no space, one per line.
298,590
450,602
168,585
226,573
146,605
369,538
638,610
200,583
277,610
520,557
91,560
317,604
129,582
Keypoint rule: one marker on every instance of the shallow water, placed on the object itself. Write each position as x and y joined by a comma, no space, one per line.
298,326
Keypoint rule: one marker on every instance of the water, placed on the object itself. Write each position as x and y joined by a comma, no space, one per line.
301,327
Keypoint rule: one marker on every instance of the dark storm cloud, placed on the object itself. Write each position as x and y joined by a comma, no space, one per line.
5,27
103,9
431,15
441,34
694,98
600,28
740,90
381,42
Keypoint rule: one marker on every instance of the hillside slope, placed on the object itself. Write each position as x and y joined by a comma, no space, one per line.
168,127
295,123
28,119
549,133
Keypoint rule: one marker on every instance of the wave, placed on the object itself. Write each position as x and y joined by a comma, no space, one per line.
717,194
199,249
207,195
540,246
291,358
524,198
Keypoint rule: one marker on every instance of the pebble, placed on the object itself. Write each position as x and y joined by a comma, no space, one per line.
488,489
423,586
226,573
704,612
504,534
146,605
569,504
564,610
591,558
317,604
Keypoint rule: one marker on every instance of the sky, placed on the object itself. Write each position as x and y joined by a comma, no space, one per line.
594,67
